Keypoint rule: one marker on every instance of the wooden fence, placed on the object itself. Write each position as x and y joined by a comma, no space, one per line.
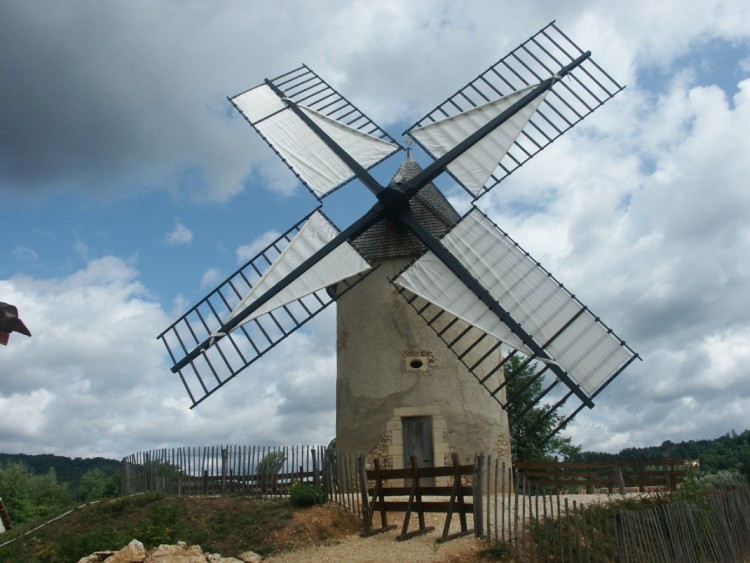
529,521
220,470
234,470
604,476
389,483
712,528
524,516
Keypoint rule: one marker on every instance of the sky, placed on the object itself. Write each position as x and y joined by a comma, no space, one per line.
130,187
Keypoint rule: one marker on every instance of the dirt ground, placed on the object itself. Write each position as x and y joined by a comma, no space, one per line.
330,533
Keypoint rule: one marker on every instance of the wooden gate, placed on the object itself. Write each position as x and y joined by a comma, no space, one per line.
381,497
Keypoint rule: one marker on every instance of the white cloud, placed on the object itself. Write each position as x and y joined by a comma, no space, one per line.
91,360
92,380
249,251
25,253
641,210
211,277
179,235
640,213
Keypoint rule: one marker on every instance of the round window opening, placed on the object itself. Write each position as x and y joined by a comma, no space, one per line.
416,363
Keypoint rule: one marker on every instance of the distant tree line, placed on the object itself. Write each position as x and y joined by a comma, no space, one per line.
69,470
730,452
41,486
529,424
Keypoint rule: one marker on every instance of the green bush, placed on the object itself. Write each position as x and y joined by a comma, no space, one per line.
303,494
271,463
698,484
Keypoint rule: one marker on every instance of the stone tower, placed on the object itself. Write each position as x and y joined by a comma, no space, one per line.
399,390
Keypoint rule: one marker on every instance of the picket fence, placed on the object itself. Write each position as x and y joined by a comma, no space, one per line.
529,523
238,470
524,520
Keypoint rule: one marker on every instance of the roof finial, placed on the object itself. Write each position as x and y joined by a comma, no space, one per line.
409,143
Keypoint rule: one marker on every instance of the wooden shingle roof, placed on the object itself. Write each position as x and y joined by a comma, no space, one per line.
389,239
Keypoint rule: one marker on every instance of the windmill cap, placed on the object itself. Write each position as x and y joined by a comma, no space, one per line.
9,321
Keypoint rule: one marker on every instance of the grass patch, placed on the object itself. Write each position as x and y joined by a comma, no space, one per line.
218,524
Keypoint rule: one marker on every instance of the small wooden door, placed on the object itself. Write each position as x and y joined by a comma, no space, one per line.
418,442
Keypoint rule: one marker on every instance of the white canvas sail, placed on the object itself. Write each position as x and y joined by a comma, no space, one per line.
584,348
315,163
343,262
474,167
429,278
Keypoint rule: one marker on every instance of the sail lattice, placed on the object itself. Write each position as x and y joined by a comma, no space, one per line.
570,100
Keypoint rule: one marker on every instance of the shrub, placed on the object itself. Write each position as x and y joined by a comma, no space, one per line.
701,484
303,494
271,463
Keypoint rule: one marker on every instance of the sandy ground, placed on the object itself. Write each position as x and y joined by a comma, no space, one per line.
385,548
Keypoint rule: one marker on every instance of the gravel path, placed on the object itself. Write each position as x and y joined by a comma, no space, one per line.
385,548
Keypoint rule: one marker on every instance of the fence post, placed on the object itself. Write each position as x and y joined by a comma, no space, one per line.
149,469
316,477
362,474
619,534
478,511
224,464
124,483
327,473
487,523
620,480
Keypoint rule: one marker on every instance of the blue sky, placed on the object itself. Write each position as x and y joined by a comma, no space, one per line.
129,187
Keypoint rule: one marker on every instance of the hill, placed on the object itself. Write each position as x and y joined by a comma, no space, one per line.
226,525
68,470
729,452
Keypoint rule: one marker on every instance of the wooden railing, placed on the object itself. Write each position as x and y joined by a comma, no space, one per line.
389,483
220,470
601,476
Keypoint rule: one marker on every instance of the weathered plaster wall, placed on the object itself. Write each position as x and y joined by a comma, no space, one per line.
378,335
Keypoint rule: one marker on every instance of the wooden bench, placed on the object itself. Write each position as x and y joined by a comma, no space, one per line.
374,499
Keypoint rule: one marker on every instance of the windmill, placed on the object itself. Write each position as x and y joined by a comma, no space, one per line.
431,304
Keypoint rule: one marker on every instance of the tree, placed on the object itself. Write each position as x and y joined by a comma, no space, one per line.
27,496
268,468
529,423
96,484
48,497
271,463
15,491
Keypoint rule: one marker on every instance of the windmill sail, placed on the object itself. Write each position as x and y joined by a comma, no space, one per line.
315,163
570,100
344,262
475,166
493,292
235,351
572,337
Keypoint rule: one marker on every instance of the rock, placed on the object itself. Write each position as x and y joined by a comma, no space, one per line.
216,558
180,553
96,557
250,557
134,552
